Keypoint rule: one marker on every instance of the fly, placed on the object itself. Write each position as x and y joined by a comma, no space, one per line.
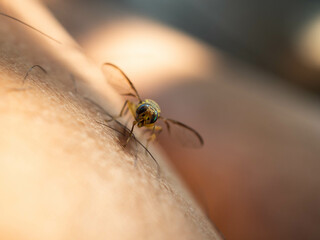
146,112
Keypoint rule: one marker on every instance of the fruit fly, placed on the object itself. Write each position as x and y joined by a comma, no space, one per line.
146,112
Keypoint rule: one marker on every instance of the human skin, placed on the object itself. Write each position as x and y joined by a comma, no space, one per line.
257,175
64,175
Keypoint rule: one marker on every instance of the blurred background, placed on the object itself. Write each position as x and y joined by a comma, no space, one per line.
246,75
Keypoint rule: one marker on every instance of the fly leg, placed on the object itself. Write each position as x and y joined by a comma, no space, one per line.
130,134
123,109
156,130
130,106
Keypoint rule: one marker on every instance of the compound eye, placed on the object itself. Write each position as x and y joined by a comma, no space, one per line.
141,109
154,118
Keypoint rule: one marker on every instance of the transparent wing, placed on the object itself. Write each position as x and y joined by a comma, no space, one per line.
184,134
119,80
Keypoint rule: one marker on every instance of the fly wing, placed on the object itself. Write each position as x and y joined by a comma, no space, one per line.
119,80
184,134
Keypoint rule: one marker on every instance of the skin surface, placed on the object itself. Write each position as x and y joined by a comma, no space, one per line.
62,174
257,176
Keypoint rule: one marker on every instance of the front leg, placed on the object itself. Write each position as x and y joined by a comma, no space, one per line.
130,135
121,112
156,130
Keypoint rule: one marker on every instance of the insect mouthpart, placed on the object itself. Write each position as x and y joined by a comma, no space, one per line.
141,123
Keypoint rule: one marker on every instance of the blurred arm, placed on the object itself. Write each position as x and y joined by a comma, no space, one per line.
63,175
